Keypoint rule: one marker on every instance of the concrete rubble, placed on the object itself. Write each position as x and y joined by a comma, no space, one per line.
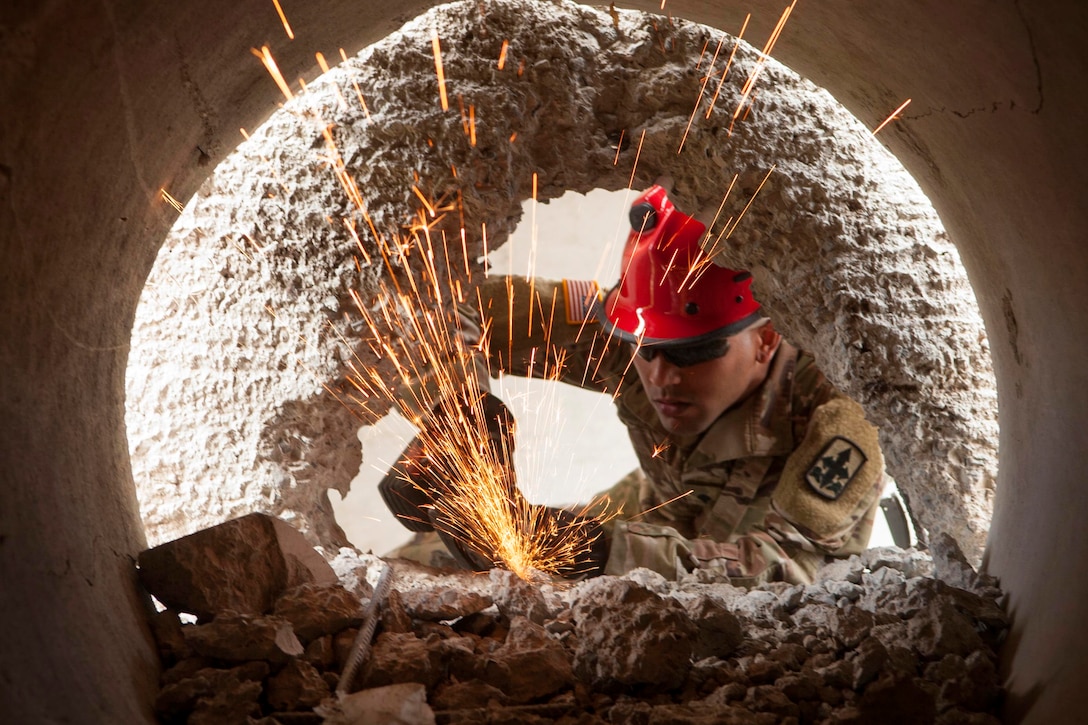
877,638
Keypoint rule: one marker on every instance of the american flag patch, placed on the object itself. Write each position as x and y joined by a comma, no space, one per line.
579,295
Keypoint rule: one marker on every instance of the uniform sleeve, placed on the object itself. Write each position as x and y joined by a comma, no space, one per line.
543,329
831,483
749,560
529,328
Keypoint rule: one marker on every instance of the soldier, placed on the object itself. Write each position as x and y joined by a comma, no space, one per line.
751,463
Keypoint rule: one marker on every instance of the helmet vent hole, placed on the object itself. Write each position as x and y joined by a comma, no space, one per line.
691,308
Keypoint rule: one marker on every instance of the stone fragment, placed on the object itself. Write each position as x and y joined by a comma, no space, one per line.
846,570
401,704
396,658
319,653
182,694
315,610
897,700
851,626
185,669
769,699
761,606
791,655
798,687
351,569
238,637
297,686
940,629
762,670
870,658
443,604
951,566
240,566
468,694
167,630
648,579
233,704
841,590
720,632
395,617
463,659
629,636
516,597
909,562
530,664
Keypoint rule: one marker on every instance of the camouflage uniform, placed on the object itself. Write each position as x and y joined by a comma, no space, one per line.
778,484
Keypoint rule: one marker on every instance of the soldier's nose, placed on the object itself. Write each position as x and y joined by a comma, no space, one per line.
662,372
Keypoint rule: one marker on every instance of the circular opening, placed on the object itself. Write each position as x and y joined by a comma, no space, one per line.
241,339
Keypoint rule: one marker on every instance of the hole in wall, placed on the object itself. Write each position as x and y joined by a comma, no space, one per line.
242,320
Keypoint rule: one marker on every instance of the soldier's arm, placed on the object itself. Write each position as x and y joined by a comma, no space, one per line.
544,329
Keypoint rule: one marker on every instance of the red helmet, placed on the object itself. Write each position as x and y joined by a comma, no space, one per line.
660,298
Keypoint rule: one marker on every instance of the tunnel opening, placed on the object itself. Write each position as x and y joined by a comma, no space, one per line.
951,147
848,255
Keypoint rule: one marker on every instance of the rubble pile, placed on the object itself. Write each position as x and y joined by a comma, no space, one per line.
876,638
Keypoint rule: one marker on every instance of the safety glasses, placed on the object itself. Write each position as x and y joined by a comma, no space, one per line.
684,356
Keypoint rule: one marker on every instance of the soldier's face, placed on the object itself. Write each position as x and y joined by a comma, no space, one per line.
689,399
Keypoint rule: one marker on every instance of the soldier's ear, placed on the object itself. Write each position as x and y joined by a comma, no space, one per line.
769,340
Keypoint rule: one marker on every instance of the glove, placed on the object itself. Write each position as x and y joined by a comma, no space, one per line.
412,484
589,561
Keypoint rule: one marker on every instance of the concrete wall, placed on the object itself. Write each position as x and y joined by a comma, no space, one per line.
103,104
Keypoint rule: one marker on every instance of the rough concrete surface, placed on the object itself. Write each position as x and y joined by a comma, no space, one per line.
237,334
875,639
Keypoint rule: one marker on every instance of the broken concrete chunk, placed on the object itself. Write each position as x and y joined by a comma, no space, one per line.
531,664
182,694
403,704
242,565
442,604
629,636
315,610
942,629
398,658
518,598
237,637
234,704
468,695
720,632
297,686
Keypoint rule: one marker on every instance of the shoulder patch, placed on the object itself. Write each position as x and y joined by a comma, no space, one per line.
835,467
579,296
834,477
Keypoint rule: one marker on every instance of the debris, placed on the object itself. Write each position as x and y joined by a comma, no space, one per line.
242,565
864,644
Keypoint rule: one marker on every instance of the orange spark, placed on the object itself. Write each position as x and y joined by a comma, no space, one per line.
270,64
638,152
430,208
894,115
502,53
619,147
437,48
283,19
763,57
728,65
702,90
178,207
